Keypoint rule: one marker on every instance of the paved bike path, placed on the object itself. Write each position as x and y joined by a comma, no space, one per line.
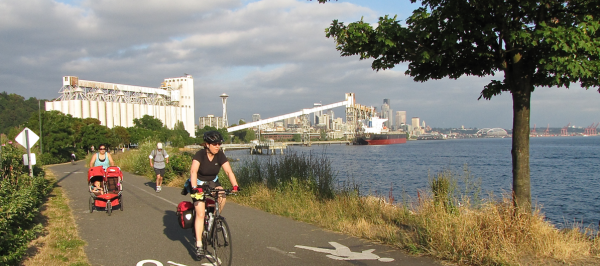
146,231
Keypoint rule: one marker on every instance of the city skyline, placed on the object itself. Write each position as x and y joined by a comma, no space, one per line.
270,56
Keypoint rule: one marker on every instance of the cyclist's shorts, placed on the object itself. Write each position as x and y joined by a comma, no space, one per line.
208,185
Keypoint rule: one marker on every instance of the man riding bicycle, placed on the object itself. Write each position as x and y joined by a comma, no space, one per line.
206,164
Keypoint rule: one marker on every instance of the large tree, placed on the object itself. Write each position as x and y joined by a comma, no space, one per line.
57,132
15,110
547,43
121,136
148,122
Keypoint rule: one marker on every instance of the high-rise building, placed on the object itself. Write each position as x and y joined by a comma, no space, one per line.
415,126
415,122
324,121
211,121
331,115
291,122
399,120
387,112
317,114
400,117
337,123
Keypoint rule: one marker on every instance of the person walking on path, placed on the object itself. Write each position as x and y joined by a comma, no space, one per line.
102,158
159,160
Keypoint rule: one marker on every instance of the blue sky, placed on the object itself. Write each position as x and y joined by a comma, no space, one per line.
270,56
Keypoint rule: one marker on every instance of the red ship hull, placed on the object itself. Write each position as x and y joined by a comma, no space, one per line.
381,139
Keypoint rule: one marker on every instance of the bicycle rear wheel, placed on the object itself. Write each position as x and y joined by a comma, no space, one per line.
222,242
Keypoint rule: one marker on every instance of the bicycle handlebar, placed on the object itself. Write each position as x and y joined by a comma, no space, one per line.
227,191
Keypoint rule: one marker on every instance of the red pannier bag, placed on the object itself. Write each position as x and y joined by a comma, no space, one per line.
185,214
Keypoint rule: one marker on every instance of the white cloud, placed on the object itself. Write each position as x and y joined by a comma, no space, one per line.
270,56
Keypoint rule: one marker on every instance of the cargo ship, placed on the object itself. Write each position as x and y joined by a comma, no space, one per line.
375,134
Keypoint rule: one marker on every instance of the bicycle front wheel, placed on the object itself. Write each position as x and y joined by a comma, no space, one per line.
222,242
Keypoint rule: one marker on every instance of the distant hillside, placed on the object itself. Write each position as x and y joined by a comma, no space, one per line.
15,110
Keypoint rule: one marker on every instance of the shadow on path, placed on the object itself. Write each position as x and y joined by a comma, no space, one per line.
174,232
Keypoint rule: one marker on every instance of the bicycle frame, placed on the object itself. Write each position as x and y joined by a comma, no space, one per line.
208,227
216,233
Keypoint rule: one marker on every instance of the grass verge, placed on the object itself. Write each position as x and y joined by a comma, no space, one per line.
59,244
442,222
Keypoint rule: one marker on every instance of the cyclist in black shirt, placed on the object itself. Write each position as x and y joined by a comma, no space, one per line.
204,172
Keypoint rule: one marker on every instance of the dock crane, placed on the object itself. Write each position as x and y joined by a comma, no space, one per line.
587,130
591,130
547,131
563,131
533,133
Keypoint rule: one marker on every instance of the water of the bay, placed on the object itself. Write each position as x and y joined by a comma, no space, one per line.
565,171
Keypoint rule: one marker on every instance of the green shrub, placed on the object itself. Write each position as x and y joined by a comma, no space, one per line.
47,158
179,164
20,199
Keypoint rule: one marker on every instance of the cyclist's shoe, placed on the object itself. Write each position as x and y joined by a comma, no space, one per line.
200,252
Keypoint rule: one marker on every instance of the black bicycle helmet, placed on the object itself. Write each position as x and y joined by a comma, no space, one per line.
212,137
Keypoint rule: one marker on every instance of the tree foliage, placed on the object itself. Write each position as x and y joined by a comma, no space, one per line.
15,110
148,122
179,137
96,135
244,135
57,136
534,43
200,133
121,136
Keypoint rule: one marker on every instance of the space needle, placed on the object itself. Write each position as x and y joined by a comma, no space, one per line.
224,98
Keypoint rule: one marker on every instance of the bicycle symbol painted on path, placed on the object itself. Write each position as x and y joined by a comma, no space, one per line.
158,263
342,252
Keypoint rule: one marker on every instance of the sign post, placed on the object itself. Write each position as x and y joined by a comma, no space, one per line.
27,139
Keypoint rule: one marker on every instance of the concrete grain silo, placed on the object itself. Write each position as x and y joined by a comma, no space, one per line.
118,104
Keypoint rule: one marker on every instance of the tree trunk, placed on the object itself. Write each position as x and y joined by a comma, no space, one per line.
520,147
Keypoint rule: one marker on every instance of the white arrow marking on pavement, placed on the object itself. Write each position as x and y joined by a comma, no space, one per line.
282,252
342,252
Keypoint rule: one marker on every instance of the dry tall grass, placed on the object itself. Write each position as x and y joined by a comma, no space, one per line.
490,234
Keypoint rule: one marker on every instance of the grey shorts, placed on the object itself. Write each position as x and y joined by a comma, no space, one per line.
160,172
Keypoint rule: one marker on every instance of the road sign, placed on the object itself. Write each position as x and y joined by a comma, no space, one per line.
26,159
21,138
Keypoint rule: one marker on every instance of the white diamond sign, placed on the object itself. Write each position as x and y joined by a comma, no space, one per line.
33,138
